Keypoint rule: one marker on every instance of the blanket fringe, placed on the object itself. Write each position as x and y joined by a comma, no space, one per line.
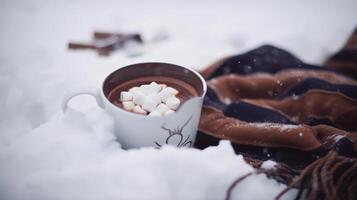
332,177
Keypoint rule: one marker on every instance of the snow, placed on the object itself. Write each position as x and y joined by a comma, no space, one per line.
274,125
47,155
268,164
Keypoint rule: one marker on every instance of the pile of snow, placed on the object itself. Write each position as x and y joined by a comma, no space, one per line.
75,156
47,155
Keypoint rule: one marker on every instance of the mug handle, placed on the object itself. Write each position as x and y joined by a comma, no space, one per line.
95,92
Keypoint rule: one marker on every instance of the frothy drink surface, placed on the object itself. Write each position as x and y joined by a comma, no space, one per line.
186,91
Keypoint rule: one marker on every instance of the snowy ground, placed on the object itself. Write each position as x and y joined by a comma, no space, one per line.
47,155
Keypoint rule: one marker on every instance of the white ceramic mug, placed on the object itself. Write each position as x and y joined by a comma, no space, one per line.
134,130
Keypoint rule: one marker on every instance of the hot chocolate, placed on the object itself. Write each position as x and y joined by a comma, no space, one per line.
185,90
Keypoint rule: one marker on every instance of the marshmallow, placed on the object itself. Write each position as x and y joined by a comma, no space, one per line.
154,87
138,97
172,90
133,89
163,86
162,108
165,94
173,103
155,97
149,104
139,110
126,96
168,112
128,105
155,113
146,89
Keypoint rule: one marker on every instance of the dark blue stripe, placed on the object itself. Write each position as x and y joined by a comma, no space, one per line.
252,113
267,59
245,111
211,99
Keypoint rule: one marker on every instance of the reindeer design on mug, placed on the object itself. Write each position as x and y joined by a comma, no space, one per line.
176,135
